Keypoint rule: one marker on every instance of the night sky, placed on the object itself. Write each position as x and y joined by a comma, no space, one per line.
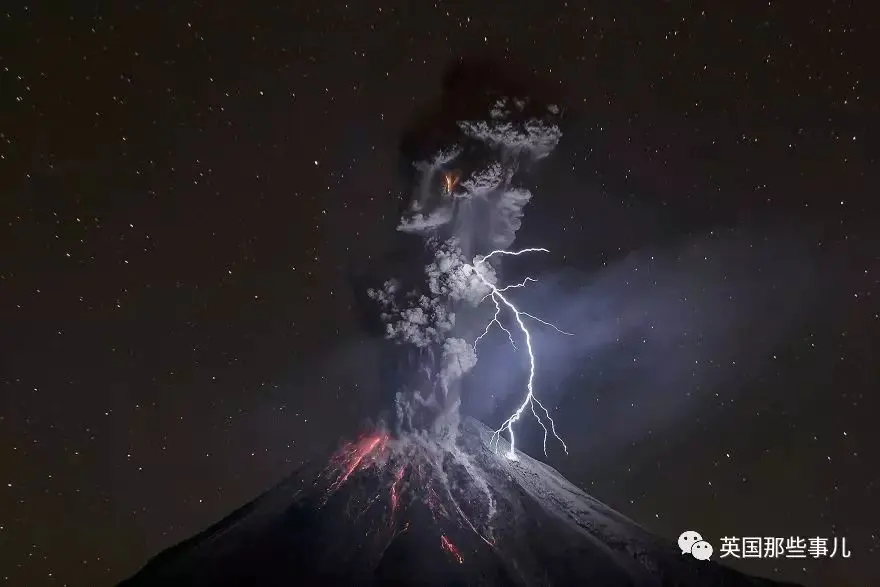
187,191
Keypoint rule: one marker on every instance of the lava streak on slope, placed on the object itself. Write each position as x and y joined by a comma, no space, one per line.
411,472
449,547
395,489
353,456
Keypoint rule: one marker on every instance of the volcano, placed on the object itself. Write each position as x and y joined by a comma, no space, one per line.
420,511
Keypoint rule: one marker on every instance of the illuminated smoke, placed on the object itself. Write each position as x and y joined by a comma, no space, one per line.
513,132
464,202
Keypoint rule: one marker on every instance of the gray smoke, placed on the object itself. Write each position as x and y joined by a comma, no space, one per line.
464,202
486,199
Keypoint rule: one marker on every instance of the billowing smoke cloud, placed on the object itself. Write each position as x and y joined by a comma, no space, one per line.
412,318
464,201
459,357
483,207
450,276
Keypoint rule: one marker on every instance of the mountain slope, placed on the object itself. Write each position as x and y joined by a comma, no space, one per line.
412,511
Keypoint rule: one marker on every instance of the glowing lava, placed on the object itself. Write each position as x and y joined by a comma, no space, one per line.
354,456
530,401
376,450
395,489
449,547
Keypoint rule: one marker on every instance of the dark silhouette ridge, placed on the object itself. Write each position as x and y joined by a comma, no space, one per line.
391,522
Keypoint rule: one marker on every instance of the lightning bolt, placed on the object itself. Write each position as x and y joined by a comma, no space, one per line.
499,299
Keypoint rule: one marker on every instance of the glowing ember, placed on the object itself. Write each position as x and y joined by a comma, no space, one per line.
395,492
449,547
377,451
356,455
450,180
434,504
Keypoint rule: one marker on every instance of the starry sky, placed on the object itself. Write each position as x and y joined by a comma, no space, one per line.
186,190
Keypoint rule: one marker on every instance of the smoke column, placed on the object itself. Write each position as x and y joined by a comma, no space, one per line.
465,201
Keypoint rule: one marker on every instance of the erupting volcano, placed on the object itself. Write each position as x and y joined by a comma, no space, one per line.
390,511
432,497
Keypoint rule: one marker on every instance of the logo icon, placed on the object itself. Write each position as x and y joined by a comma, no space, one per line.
701,550
691,542
687,539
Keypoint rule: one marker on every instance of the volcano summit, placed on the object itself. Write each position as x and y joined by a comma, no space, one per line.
408,511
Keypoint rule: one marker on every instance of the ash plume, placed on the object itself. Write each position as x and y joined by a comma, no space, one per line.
428,501
464,200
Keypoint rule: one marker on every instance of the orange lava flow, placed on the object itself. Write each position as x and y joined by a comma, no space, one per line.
449,547
362,449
